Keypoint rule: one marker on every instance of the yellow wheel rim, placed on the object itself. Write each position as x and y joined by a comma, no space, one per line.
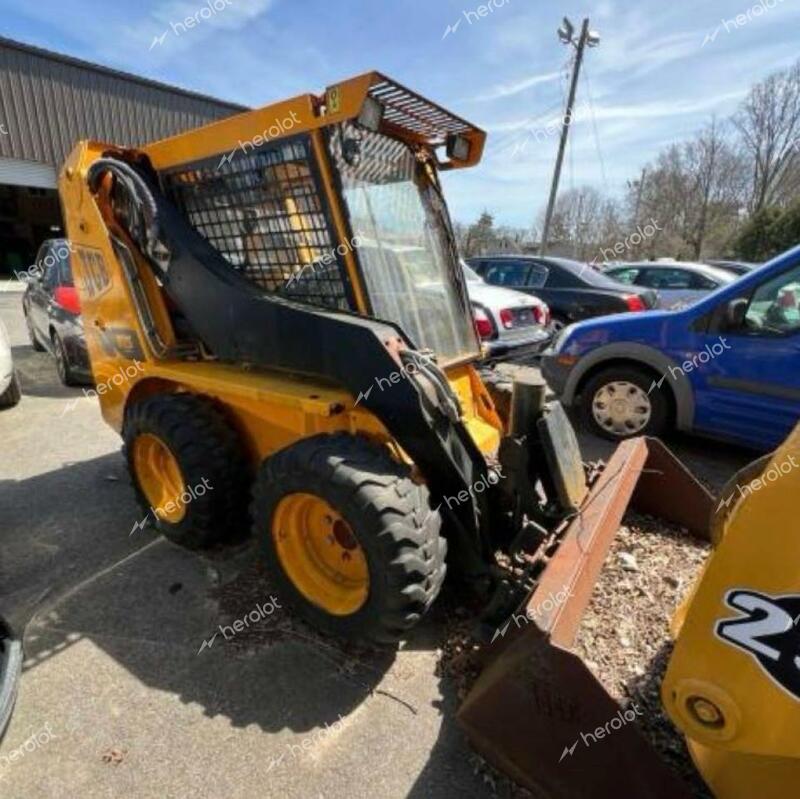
320,554
159,476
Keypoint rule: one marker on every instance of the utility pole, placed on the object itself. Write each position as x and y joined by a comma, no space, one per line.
590,39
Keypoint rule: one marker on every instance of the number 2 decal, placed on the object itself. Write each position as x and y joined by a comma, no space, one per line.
767,632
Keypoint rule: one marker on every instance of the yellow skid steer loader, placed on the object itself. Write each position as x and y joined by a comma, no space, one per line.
286,282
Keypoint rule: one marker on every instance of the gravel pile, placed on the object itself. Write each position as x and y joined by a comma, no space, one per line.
624,637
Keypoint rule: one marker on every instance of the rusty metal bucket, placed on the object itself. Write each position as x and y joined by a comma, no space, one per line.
536,712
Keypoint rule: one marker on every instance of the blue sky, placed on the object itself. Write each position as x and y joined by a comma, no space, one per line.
652,81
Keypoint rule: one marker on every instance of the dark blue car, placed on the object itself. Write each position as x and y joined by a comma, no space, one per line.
727,366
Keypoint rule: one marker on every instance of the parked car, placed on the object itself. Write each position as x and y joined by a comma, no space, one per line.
10,669
10,391
727,366
571,290
737,267
512,325
678,284
53,313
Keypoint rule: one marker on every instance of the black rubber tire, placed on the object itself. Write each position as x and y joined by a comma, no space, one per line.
558,323
13,394
206,448
64,368
10,671
661,407
35,343
389,514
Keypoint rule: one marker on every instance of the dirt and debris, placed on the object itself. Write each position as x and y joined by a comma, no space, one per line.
624,637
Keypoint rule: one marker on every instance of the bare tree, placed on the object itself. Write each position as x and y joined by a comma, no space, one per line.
769,124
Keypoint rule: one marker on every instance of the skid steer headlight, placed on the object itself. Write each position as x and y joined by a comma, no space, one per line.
458,148
371,115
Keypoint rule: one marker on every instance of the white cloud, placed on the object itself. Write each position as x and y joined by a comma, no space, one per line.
503,90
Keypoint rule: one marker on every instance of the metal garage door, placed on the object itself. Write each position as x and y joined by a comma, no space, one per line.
14,172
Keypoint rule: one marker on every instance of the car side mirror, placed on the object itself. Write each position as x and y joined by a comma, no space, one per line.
736,312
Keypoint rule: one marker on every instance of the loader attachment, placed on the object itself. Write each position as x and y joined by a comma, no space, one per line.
537,712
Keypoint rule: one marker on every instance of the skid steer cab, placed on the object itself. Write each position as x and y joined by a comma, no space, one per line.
287,280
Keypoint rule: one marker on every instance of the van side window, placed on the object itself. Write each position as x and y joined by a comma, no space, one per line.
775,305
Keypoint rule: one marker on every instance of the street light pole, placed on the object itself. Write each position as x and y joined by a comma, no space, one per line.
585,38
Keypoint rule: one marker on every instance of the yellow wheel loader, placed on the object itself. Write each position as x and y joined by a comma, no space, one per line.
280,331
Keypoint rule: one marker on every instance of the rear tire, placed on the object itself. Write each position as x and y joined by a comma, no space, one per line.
377,566
623,402
175,444
35,343
13,394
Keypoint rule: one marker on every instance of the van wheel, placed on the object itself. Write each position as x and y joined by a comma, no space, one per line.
623,402
189,470
348,538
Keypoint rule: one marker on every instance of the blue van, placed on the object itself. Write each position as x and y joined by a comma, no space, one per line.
726,367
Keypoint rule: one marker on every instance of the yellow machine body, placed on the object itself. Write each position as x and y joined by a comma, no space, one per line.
733,682
271,410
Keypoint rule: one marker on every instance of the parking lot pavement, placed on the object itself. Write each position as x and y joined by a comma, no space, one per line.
118,691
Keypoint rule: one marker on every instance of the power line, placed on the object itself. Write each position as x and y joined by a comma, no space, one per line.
594,128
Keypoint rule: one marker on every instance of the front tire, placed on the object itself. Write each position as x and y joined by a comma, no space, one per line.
189,470
623,402
348,538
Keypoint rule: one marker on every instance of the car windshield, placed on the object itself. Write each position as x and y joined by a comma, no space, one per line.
587,273
405,249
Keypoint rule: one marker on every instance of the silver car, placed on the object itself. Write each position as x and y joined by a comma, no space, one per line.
512,326
10,392
678,284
